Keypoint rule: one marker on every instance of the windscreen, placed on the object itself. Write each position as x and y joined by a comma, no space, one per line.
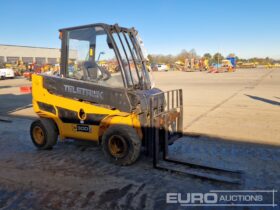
91,57
107,56
132,57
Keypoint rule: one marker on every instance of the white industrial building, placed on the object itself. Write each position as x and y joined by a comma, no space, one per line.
40,55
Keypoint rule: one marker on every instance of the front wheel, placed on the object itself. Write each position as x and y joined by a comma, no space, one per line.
121,144
44,133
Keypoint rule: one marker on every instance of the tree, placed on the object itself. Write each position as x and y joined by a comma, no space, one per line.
151,59
207,56
193,53
231,55
183,55
218,57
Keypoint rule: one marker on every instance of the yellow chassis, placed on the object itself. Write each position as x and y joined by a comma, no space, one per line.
69,130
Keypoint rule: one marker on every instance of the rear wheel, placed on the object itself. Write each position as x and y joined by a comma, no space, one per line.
121,144
44,133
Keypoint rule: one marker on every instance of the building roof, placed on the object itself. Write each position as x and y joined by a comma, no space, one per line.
10,45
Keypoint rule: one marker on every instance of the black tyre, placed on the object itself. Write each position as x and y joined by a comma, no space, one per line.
121,144
44,133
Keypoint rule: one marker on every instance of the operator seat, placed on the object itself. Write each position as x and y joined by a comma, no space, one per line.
94,72
90,70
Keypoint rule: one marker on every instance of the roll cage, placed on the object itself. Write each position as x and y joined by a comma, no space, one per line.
129,44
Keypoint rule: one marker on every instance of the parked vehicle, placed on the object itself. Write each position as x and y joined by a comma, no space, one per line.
162,67
7,73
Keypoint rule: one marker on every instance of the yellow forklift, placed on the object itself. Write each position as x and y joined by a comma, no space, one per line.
104,93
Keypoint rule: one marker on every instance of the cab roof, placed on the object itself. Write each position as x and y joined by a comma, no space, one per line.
104,25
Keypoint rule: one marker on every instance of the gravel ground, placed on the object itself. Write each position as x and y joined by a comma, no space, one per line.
75,175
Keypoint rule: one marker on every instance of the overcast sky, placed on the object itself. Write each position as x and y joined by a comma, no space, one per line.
247,28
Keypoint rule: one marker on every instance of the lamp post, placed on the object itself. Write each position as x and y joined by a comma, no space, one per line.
218,61
101,53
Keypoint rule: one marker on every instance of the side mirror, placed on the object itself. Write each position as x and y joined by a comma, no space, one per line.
110,44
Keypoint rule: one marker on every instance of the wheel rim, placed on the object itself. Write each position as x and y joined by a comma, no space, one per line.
38,135
117,146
